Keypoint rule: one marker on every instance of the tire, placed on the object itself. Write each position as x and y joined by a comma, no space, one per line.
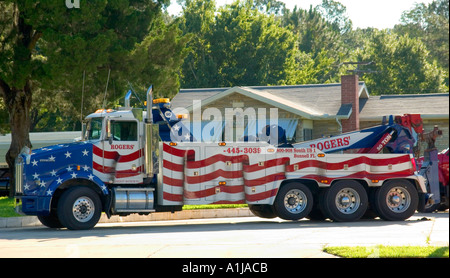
51,220
370,212
396,200
424,207
263,211
294,201
316,213
79,208
345,201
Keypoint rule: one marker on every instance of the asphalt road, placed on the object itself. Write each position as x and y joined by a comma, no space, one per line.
243,237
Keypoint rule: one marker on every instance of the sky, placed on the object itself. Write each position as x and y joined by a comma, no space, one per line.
379,14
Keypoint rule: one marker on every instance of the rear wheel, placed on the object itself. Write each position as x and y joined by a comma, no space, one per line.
294,201
396,200
345,200
317,209
79,208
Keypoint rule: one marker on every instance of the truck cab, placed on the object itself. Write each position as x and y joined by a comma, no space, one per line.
110,169
118,148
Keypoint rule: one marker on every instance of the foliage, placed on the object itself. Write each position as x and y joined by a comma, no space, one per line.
401,65
46,49
430,24
7,207
94,41
321,41
157,60
238,45
381,251
335,13
220,206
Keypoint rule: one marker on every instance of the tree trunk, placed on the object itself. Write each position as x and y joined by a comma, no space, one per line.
16,90
18,103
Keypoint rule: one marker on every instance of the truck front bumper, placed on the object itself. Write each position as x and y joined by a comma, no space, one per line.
34,205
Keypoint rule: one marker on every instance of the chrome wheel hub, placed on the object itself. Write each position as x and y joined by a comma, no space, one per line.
83,209
347,201
295,201
398,199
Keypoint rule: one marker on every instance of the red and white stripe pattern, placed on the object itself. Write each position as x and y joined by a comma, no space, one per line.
194,173
120,168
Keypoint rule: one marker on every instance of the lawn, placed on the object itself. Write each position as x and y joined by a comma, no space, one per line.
7,207
381,251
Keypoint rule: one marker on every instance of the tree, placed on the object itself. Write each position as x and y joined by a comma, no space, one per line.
199,69
251,48
320,40
401,65
429,23
158,58
269,6
238,45
335,13
46,47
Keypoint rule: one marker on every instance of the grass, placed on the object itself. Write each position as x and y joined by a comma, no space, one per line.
188,207
381,251
7,207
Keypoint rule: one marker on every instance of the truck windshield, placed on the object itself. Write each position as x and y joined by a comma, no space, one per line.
94,128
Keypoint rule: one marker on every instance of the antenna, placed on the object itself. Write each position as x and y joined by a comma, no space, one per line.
106,89
358,70
82,94
134,92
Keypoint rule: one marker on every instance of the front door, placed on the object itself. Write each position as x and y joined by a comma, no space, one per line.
123,155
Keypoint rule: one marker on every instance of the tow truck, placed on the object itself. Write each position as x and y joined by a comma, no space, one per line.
144,160
433,166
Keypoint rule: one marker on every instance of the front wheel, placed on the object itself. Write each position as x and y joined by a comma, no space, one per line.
50,220
79,208
396,200
294,201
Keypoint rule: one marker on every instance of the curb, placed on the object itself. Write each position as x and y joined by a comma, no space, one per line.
32,221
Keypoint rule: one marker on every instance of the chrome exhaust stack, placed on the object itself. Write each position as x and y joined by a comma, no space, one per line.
127,100
148,122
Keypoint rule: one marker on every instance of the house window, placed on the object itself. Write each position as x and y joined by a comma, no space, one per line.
307,134
289,126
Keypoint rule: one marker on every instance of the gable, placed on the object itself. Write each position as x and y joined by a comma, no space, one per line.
314,102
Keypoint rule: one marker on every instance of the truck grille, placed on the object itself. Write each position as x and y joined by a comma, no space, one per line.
19,176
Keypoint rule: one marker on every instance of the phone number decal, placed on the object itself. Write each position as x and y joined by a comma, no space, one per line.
242,150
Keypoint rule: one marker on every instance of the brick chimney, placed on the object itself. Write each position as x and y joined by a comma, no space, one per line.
349,95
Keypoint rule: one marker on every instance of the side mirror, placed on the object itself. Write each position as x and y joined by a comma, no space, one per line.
83,131
108,131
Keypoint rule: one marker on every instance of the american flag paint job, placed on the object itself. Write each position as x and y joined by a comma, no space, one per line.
193,173
48,168
116,165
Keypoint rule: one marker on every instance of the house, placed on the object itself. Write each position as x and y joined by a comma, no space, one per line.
308,111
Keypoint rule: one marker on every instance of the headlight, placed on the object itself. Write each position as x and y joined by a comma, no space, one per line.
27,152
